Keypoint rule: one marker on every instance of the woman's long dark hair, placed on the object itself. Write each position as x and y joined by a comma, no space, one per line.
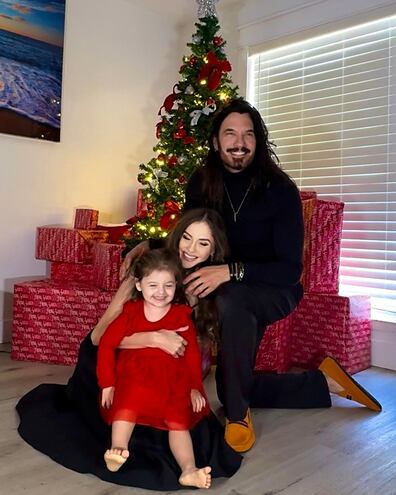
265,164
206,320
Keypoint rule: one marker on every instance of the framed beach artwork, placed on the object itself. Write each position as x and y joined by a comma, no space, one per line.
31,55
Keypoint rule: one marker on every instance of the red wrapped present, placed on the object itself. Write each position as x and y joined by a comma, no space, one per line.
322,244
86,219
274,353
103,301
72,272
55,243
331,325
106,263
141,204
116,231
51,319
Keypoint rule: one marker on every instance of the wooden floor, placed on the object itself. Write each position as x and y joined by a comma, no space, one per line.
345,450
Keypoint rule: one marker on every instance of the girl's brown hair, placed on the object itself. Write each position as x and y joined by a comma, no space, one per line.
159,259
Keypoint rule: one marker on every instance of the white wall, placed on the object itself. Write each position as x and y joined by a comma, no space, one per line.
119,63
264,25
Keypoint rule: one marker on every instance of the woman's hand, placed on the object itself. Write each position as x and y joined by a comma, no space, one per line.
114,309
138,250
107,397
168,341
205,280
197,400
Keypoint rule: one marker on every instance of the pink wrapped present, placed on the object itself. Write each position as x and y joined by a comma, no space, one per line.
72,272
103,301
51,319
55,243
322,244
331,325
86,219
106,265
274,353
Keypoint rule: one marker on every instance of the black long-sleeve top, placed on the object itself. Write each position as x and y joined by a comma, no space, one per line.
268,235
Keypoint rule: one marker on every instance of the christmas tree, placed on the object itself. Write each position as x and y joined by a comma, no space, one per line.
182,131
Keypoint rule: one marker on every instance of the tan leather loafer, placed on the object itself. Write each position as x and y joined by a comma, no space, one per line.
240,435
351,388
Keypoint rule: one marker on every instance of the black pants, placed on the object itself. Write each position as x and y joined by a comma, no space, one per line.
244,310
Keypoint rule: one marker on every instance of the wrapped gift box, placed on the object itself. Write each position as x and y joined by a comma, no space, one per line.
106,265
331,325
322,243
274,353
72,272
115,231
103,301
54,243
322,233
51,319
86,219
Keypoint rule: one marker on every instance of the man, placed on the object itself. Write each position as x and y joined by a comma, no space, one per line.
261,208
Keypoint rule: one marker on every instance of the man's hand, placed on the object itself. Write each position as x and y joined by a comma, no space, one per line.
206,280
197,400
107,397
138,250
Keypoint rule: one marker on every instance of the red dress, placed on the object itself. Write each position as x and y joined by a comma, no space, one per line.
151,386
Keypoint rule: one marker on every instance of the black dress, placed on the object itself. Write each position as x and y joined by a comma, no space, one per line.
63,422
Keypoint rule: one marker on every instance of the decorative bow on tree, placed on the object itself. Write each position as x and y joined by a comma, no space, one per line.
213,70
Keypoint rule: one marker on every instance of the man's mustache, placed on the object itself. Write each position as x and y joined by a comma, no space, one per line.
234,150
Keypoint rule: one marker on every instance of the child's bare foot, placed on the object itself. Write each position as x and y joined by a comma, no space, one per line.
115,458
200,478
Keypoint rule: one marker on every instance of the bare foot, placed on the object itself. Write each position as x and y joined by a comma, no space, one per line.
200,478
115,458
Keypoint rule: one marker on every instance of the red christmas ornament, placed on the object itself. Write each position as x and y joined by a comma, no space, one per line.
179,134
171,205
192,60
213,70
189,140
172,161
161,157
168,220
217,40
182,179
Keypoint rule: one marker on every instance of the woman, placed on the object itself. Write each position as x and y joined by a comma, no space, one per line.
63,421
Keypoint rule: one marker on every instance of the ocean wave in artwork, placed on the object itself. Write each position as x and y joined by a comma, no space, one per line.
30,91
30,78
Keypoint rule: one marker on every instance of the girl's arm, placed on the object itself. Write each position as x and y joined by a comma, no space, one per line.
106,363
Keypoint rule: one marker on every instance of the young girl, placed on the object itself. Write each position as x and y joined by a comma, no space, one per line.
147,386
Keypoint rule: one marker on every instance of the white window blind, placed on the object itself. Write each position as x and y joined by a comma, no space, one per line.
330,106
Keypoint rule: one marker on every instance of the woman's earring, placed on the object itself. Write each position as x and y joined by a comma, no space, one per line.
212,257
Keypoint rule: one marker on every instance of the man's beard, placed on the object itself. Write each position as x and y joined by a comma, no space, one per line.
236,163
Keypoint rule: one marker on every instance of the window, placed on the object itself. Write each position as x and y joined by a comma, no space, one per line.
330,106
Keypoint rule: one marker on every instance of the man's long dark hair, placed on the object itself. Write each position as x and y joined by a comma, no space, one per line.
265,164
